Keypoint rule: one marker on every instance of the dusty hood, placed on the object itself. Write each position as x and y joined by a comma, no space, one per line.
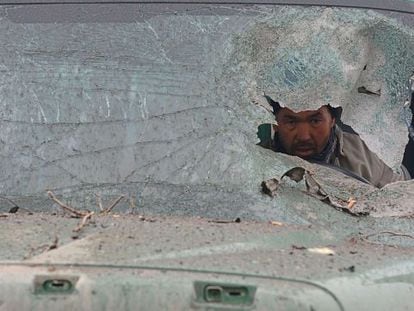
131,260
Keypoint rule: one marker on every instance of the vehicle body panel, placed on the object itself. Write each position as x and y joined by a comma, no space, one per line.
155,102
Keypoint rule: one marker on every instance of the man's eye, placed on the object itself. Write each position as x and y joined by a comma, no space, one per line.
291,122
315,121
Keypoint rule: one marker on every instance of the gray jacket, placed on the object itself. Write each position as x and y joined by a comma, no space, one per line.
354,155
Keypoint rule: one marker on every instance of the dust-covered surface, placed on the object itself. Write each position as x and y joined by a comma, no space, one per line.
156,104
267,248
346,257
391,200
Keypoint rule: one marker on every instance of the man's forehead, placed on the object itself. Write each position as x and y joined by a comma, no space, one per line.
304,113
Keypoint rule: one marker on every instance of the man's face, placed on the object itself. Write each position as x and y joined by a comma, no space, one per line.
304,133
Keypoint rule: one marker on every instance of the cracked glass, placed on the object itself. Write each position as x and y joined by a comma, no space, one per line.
157,103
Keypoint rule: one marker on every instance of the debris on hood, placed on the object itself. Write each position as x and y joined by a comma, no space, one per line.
316,250
74,212
391,233
43,248
322,251
276,223
83,222
313,188
270,186
295,173
393,200
298,247
14,208
223,221
351,203
86,215
364,90
348,269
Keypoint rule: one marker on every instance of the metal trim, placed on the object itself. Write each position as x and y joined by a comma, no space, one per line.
403,6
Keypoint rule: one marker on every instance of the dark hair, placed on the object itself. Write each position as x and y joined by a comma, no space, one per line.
275,105
335,112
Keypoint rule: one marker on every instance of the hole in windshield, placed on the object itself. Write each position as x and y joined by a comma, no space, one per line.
266,131
321,137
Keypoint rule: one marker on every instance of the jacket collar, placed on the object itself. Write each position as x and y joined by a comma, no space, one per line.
340,140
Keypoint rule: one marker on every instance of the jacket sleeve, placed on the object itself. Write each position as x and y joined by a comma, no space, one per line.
356,157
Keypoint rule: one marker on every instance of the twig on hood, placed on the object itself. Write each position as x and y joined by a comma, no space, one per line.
54,245
68,208
14,208
108,209
99,201
406,235
83,222
42,248
223,221
9,200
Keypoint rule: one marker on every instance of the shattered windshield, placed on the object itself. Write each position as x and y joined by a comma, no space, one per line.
158,104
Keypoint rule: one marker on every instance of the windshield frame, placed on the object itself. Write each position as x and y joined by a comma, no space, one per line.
403,6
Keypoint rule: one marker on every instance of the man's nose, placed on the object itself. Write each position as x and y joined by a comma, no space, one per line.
303,132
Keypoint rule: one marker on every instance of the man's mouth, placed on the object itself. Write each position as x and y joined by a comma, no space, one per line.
302,151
